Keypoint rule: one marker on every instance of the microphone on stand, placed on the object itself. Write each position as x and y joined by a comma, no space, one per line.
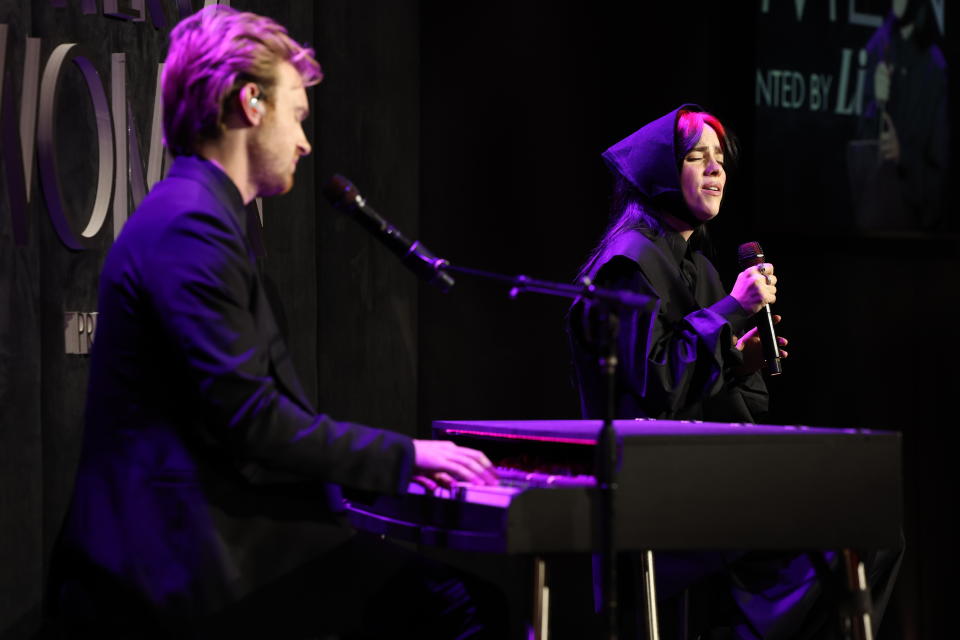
343,195
748,255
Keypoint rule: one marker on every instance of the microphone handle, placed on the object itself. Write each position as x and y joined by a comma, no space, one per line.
414,254
768,340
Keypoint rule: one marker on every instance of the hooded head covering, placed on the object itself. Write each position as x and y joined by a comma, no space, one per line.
648,159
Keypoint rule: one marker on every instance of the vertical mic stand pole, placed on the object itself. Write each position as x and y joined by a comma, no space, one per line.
606,470
607,446
606,463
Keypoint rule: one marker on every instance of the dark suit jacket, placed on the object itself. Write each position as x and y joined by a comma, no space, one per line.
205,472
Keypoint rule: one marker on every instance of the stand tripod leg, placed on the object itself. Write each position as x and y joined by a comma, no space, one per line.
650,595
541,600
858,620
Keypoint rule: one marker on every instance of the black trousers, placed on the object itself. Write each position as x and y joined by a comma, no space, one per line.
364,589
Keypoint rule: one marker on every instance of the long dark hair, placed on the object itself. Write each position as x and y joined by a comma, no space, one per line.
630,210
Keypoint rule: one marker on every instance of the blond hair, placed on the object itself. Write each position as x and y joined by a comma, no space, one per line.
213,53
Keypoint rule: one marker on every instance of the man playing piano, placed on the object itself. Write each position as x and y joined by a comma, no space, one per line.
207,500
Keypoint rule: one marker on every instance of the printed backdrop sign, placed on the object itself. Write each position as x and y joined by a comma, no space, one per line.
851,115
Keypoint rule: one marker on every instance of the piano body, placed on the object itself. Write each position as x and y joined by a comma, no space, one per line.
681,485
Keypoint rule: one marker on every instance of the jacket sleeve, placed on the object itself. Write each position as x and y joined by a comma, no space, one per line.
204,288
673,365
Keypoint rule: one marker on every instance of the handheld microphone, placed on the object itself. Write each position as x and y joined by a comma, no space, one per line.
343,195
748,255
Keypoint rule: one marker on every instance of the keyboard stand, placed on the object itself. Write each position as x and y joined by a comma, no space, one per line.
650,594
541,600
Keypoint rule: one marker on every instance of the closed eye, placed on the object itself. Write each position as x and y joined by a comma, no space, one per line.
698,159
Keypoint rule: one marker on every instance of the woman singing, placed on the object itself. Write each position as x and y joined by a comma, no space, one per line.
693,358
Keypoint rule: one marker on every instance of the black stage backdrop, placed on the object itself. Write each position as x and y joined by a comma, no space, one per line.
477,128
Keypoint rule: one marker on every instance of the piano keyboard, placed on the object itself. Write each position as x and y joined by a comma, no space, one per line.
534,480
512,482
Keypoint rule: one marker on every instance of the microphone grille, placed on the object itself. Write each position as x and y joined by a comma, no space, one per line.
340,192
749,254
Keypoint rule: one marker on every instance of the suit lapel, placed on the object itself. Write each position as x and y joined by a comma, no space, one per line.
280,361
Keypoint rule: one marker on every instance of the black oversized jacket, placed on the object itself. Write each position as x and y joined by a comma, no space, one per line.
676,359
